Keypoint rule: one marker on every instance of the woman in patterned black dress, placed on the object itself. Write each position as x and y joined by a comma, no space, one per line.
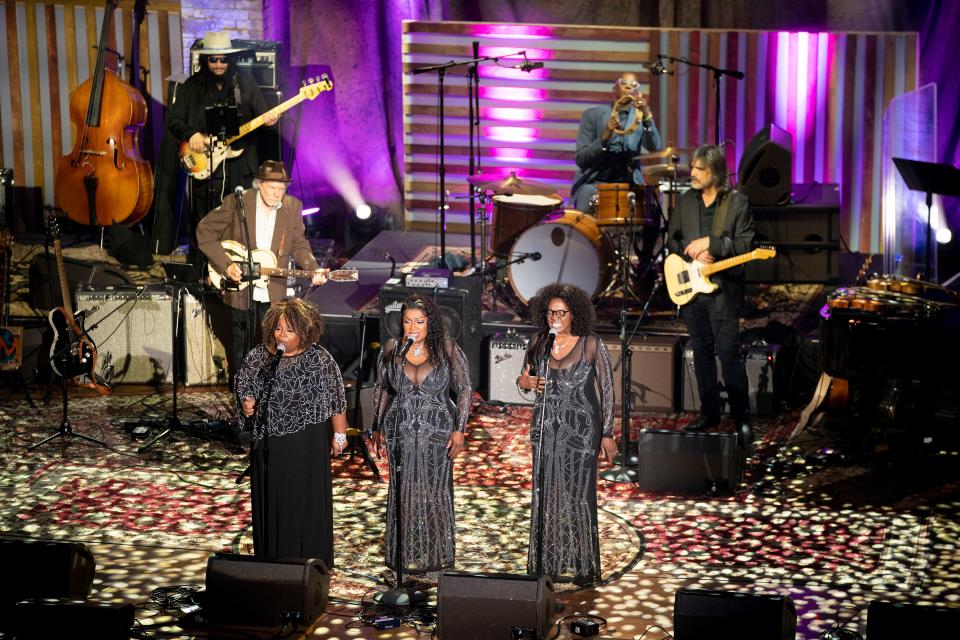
422,402
577,424
290,483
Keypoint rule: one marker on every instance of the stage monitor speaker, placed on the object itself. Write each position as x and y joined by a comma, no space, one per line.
79,272
653,372
41,569
760,362
764,173
493,605
243,589
702,613
681,462
80,619
506,363
133,332
889,620
460,306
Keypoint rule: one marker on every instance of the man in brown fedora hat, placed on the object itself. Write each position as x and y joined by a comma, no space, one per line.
275,224
218,82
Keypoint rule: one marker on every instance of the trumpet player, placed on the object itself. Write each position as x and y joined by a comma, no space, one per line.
609,137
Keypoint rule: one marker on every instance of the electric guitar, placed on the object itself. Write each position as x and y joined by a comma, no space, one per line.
265,267
198,164
685,280
72,353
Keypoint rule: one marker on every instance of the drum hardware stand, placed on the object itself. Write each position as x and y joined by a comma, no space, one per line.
494,315
356,440
474,113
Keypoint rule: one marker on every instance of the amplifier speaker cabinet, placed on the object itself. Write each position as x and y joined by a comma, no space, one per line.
493,605
506,363
760,362
460,306
205,360
42,569
703,613
889,620
80,273
653,372
40,619
681,462
243,589
133,334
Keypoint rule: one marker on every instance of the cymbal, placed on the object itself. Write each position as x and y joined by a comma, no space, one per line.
665,170
664,154
509,186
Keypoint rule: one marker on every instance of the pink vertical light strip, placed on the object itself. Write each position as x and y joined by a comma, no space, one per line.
837,115
821,118
800,124
782,90
858,125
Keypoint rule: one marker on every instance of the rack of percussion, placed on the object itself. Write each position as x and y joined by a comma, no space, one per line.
578,247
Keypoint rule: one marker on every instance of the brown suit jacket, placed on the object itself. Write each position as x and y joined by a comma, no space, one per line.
224,223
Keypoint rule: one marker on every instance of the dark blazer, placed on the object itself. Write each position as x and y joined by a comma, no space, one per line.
731,235
223,223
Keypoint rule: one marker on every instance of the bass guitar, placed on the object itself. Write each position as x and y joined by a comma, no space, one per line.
72,353
199,164
265,267
685,280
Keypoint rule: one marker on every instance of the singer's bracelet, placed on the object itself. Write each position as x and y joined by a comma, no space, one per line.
340,439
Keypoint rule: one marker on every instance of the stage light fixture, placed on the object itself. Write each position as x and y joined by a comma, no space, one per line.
309,211
944,235
363,211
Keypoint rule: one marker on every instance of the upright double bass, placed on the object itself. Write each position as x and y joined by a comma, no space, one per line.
104,181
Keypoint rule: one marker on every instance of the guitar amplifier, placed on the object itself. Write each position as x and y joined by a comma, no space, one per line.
133,331
653,370
506,363
205,358
759,361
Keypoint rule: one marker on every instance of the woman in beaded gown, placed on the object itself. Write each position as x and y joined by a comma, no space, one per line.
290,483
577,424
421,404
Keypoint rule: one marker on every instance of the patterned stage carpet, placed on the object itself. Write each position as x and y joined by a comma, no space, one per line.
850,528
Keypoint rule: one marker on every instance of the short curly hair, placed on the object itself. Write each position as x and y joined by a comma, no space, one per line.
436,330
303,318
576,299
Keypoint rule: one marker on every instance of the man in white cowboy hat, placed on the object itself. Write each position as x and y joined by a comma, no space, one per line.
275,221
218,82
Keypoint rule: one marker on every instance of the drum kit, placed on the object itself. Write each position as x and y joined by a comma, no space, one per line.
537,241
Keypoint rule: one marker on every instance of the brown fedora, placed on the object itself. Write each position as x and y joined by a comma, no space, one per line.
273,171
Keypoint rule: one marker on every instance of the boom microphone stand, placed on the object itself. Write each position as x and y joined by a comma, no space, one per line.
538,463
717,75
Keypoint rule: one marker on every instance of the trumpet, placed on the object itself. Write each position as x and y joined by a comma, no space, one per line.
622,103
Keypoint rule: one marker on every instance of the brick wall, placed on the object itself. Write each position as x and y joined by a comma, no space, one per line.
243,19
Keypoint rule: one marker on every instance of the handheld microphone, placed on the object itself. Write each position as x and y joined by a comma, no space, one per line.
659,69
238,192
276,357
535,256
549,343
406,345
528,66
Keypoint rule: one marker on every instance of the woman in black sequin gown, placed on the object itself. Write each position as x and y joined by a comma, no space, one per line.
422,402
296,518
577,411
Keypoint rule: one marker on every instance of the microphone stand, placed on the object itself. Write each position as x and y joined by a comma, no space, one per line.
251,310
539,461
398,595
357,440
260,418
441,70
718,73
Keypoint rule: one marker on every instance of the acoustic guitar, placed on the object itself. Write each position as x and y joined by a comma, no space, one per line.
72,353
264,268
198,164
685,280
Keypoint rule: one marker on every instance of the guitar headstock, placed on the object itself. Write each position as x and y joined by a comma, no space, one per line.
53,226
344,275
765,252
312,87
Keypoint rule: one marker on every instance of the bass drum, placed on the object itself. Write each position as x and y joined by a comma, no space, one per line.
573,250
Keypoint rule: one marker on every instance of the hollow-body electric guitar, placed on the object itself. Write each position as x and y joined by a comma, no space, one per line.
265,267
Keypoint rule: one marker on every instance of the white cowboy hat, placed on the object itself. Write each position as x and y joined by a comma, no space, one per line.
218,42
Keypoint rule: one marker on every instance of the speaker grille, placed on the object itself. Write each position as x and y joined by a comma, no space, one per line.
133,333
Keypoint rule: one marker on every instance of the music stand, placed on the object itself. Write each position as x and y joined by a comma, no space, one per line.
930,178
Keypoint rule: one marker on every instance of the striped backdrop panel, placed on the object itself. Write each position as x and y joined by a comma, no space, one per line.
827,89
51,51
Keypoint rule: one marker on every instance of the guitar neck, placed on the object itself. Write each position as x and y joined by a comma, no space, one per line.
728,263
285,273
257,122
64,286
